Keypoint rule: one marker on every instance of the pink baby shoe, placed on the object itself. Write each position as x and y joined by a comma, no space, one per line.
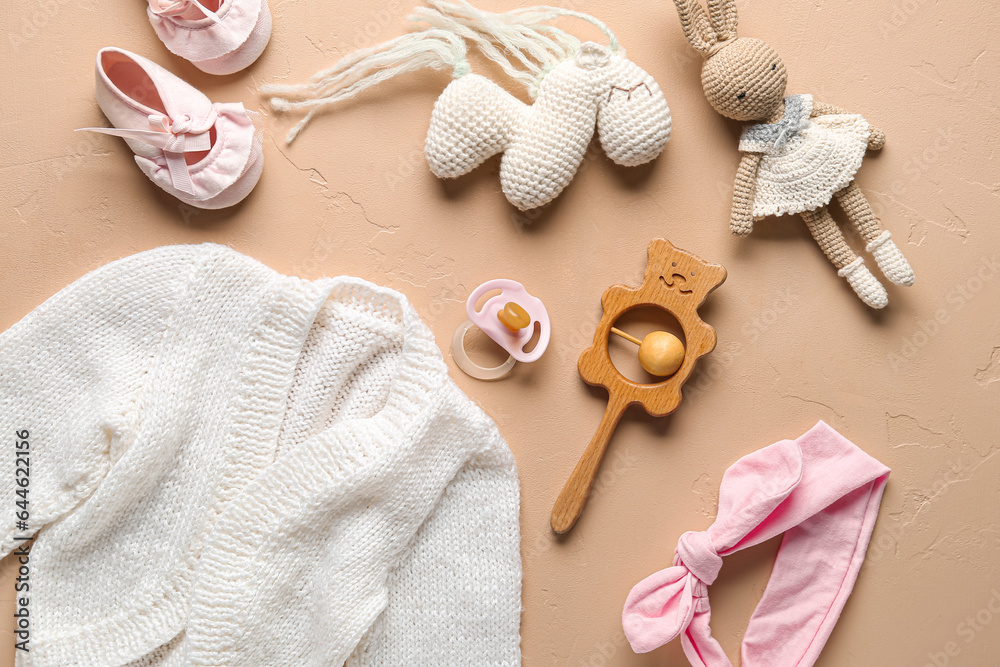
207,155
218,36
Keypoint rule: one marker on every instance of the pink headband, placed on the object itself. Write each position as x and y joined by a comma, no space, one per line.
823,492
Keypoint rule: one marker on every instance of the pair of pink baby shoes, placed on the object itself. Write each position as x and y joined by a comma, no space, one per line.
208,155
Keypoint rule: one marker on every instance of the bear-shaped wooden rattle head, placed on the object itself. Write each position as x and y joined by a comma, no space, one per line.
677,282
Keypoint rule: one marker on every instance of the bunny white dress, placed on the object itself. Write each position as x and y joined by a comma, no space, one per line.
804,160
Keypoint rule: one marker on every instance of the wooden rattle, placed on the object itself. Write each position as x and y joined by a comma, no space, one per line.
678,282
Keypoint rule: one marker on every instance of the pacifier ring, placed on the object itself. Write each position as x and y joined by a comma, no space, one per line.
470,367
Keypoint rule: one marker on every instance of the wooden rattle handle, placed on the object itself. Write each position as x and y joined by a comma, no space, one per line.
569,505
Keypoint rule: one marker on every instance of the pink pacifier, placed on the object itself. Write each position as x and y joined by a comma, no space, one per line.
508,318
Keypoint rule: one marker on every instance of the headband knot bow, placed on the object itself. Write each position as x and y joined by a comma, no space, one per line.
696,553
823,493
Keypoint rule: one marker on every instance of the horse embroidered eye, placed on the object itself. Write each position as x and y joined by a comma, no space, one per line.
692,273
629,90
774,67
741,96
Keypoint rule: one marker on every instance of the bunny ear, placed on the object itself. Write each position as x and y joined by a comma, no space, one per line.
695,23
722,14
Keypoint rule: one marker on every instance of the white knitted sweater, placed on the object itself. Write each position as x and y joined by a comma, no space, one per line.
234,467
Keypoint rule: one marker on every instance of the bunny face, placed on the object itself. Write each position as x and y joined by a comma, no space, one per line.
633,120
745,80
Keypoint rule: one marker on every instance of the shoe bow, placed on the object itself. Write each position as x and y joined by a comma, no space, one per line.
175,137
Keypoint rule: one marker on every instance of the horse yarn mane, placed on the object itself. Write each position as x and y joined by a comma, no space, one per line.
365,68
523,35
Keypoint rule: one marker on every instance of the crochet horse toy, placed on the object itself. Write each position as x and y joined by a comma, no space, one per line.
575,86
798,155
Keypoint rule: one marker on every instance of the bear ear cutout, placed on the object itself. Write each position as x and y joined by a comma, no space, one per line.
703,30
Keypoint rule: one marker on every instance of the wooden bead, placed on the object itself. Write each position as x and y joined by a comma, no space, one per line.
513,316
661,353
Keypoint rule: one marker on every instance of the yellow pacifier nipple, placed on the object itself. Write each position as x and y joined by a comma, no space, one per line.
513,316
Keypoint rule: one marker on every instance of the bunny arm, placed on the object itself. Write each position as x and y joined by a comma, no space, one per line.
741,219
876,137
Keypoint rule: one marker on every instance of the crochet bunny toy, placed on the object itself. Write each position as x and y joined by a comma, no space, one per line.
574,87
798,155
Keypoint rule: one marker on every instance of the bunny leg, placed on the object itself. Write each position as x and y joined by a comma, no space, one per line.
879,242
833,244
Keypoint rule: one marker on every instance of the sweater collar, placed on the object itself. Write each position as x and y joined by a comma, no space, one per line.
289,309
414,389
419,373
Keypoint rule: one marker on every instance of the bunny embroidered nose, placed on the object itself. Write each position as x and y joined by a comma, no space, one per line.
696,553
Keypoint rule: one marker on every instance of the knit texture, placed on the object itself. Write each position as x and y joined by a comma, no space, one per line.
890,260
744,79
544,143
805,161
865,284
831,240
860,212
231,466
741,217
829,237
798,155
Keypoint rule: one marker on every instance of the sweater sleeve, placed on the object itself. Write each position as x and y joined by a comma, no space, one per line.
456,598
71,374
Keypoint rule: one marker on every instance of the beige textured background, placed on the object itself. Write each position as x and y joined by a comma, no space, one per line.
917,386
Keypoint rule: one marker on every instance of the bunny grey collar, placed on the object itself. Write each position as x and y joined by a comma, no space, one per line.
797,111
